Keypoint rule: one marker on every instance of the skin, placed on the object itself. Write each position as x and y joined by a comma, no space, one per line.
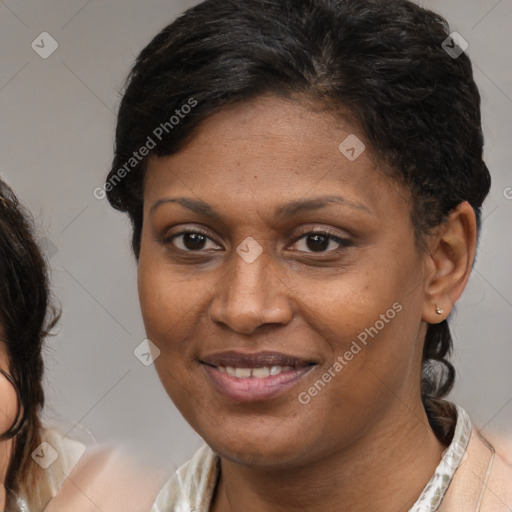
356,445
8,408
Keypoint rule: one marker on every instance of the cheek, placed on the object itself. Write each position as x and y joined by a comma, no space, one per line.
165,303
370,319
8,404
165,297
344,306
172,307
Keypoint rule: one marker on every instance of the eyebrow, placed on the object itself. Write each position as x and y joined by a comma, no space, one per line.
288,210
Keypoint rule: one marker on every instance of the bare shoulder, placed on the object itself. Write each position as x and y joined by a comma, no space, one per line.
499,488
110,480
503,447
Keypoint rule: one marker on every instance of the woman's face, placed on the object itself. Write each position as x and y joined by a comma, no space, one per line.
8,398
8,410
337,321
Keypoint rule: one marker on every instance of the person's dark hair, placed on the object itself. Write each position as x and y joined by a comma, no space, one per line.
26,316
382,64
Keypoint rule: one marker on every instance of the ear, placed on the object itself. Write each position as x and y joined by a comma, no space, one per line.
449,262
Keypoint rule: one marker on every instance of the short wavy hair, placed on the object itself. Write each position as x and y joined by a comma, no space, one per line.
382,63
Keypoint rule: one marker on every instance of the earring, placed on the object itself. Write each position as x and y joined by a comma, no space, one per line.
439,310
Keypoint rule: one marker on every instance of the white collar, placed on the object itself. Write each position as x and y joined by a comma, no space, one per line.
433,493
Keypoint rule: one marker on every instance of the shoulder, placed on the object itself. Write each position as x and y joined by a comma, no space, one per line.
499,488
53,460
192,486
104,478
484,479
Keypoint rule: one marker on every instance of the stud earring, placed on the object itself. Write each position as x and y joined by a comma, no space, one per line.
439,310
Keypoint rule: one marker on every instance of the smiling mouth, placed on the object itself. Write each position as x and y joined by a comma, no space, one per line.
253,373
253,377
236,359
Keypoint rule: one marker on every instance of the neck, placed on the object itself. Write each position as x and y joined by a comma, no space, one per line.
379,471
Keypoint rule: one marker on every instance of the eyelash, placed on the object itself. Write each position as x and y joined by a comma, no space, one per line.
343,242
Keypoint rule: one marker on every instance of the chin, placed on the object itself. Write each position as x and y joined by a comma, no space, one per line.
277,454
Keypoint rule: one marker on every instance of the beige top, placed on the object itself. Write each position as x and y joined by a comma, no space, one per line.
56,458
193,484
78,477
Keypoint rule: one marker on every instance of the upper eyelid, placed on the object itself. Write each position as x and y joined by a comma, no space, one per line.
309,231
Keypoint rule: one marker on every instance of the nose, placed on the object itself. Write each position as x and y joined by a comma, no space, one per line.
250,295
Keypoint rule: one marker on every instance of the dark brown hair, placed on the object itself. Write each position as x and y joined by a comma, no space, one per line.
26,316
385,63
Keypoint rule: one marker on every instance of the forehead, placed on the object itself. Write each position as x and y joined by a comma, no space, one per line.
269,151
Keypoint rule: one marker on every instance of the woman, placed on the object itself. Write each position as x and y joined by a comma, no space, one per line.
31,472
40,469
305,182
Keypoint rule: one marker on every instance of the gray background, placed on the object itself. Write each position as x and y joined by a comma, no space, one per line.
57,125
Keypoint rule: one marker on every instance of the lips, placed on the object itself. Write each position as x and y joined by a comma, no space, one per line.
257,360
254,377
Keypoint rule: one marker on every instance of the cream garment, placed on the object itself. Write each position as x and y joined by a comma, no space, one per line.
68,453
87,477
191,488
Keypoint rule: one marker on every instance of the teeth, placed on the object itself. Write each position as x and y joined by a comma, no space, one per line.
261,373
242,373
256,373
275,370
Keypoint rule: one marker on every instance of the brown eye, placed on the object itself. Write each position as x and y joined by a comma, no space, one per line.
321,241
189,241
